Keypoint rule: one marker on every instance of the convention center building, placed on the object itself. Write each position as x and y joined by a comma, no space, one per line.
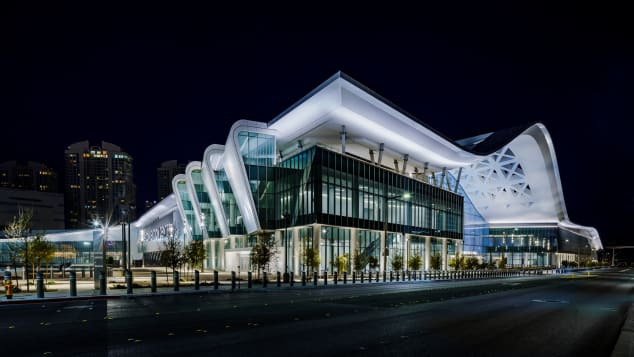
345,174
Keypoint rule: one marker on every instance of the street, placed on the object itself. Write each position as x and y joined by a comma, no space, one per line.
538,315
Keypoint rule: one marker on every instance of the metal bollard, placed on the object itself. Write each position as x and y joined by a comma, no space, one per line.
233,280
73,283
39,277
384,275
403,275
177,282
128,281
325,277
215,280
102,282
196,280
345,277
291,280
303,278
249,280
279,279
336,277
409,276
153,281
398,275
354,277
265,279
315,278
391,276
377,276
362,277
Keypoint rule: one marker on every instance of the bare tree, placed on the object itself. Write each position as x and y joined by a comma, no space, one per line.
20,227
195,253
172,253
263,252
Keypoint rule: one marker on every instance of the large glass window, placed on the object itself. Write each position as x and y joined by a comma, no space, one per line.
207,214
368,246
193,228
335,249
229,205
355,193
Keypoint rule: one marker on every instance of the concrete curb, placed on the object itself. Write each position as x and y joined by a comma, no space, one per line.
625,344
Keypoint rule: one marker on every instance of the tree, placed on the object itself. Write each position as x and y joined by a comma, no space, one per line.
20,227
457,262
15,257
471,263
415,262
311,258
263,252
195,253
502,263
172,254
397,262
435,261
373,262
342,263
41,251
360,260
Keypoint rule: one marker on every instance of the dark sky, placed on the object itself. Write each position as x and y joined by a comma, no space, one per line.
121,75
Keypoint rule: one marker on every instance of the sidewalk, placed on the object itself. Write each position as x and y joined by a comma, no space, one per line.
59,288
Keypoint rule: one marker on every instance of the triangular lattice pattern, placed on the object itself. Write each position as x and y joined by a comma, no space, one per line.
498,178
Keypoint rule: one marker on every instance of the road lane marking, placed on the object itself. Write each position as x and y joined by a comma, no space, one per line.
77,307
550,300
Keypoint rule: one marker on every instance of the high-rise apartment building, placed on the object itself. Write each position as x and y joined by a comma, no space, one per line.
28,176
165,174
99,183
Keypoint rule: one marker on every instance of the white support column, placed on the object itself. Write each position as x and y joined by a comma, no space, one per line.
427,253
316,243
353,246
232,243
382,257
221,254
406,248
212,252
296,251
459,247
316,236
444,254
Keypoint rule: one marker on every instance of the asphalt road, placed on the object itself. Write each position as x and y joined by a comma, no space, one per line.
536,316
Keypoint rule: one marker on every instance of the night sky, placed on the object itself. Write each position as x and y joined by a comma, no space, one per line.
69,74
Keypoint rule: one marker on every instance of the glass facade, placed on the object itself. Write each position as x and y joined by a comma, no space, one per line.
356,193
229,205
334,249
258,155
206,209
326,187
368,245
190,217
523,246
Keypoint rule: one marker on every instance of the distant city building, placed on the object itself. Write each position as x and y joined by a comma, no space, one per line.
165,174
48,207
99,182
28,176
